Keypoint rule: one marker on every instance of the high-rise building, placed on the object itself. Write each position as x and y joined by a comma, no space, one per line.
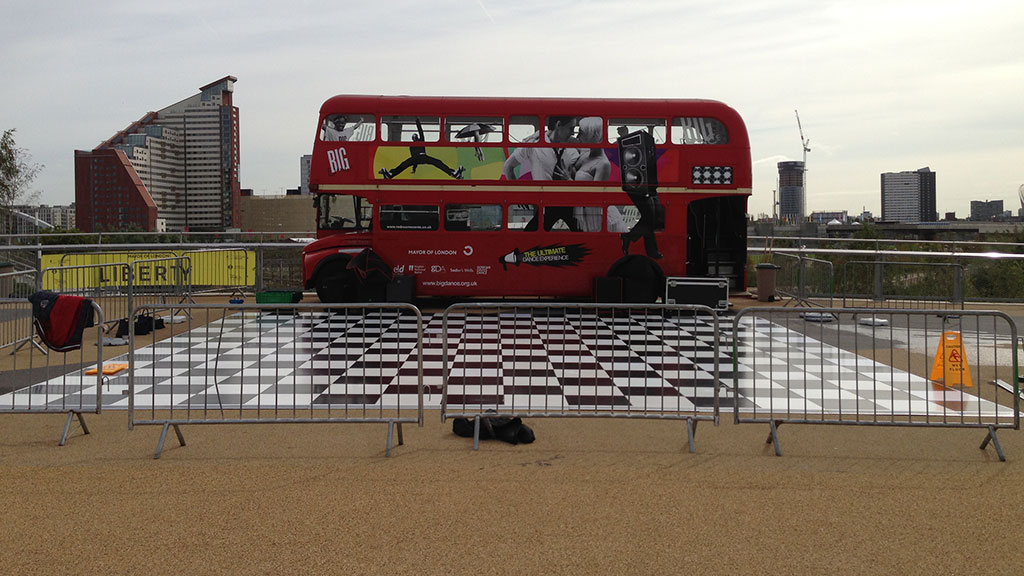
304,163
909,196
792,201
179,165
984,210
58,216
109,194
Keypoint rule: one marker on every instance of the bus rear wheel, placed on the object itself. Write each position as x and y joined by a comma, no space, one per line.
643,281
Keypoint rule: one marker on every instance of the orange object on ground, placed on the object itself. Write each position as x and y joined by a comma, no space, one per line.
108,369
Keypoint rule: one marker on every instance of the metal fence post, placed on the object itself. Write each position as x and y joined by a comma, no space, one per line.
879,282
259,268
831,284
801,274
958,284
100,320
131,294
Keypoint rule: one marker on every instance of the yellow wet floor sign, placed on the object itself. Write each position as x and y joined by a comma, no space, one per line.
950,366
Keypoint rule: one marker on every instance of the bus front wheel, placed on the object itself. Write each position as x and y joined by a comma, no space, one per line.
336,284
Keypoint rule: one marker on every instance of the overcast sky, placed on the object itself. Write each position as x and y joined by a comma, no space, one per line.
881,86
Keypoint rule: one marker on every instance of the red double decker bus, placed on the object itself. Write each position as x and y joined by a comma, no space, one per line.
510,197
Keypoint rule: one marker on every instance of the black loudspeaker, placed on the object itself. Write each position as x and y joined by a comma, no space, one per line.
608,289
638,162
639,291
402,289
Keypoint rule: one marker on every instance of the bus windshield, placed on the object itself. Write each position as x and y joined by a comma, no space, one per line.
343,212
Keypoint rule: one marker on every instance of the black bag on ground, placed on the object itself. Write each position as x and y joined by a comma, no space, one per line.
511,430
143,325
525,434
122,328
463,427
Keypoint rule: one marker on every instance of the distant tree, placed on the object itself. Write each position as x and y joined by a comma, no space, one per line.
17,171
1003,279
868,232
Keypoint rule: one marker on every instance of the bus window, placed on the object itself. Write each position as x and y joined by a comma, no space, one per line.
622,218
343,212
698,131
561,129
352,127
472,217
410,128
522,217
591,130
472,129
523,129
560,218
409,217
620,127
588,218
572,218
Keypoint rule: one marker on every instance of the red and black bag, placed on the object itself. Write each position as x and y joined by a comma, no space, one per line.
60,319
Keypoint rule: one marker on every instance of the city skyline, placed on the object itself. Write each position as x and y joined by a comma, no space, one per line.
880,86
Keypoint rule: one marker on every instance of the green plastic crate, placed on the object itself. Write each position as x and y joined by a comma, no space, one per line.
278,297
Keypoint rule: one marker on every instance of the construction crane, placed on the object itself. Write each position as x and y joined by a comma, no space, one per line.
805,143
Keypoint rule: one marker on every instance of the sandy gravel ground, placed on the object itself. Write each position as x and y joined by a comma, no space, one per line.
588,497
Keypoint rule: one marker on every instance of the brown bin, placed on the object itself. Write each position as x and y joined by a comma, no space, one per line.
766,272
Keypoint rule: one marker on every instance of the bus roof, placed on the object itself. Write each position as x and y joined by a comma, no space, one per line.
501,106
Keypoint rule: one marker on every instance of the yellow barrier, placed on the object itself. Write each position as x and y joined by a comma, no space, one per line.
208,268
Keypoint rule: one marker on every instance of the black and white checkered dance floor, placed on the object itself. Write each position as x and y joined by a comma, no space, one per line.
515,361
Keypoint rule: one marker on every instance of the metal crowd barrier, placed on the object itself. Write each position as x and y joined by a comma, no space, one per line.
109,285
122,286
903,285
876,367
34,382
165,280
278,268
278,363
603,360
18,284
220,270
808,281
16,328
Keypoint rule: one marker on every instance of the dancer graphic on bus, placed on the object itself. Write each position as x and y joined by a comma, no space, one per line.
417,156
